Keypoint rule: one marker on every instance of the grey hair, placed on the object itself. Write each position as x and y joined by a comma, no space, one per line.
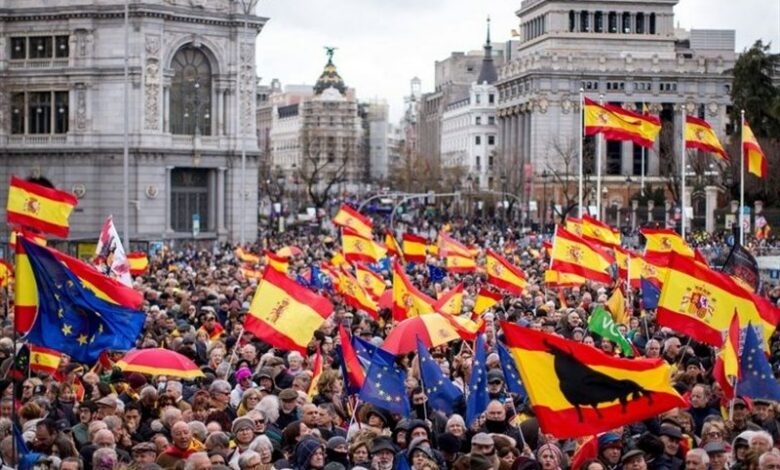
170,415
149,390
198,429
217,439
763,434
765,455
221,385
112,422
269,406
243,461
191,463
262,442
175,384
702,454
104,458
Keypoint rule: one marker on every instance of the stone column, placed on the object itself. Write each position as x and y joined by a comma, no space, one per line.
634,208
650,207
168,202
221,230
711,203
687,203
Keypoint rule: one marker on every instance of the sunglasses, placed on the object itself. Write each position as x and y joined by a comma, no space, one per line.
495,382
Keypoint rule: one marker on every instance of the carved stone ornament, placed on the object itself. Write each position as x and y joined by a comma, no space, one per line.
712,108
152,191
81,107
566,106
3,109
79,190
152,83
543,104
203,4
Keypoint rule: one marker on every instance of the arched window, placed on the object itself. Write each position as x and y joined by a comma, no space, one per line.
652,23
640,23
191,92
598,22
584,23
612,23
572,22
626,23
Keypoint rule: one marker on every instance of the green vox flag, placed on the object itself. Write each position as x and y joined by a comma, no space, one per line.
601,323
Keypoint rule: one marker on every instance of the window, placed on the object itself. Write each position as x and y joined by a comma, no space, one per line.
60,112
668,87
640,23
39,111
61,46
616,86
614,157
491,98
18,48
490,161
584,25
572,20
491,141
598,22
612,22
590,85
189,197
652,23
491,120
626,23
477,98
478,120
637,160
478,140
643,86
17,113
478,160
40,47
190,110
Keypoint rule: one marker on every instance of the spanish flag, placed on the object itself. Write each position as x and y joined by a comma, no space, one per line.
31,236
616,304
617,123
392,245
285,314
574,255
451,302
450,246
701,136
356,296
486,299
277,262
661,240
44,360
316,369
623,258
755,160
248,272
598,232
26,291
6,272
408,301
576,390
699,302
246,256
369,280
352,219
574,226
414,247
730,352
651,266
357,248
501,273
139,262
460,264
39,207
558,279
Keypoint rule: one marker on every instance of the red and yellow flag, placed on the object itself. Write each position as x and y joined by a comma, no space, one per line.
39,207
598,232
414,247
26,291
356,296
617,123
575,255
357,248
246,256
661,240
6,272
139,262
44,360
369,280
699,302
460,264
277,262
623,259
755,160
576,390
285,314
450,246
701,136
574,226
36,238
651,266
352,219
408,300
392,245
560,280
501,273
730,351
616,304
316,369
486,299
248,272
451,302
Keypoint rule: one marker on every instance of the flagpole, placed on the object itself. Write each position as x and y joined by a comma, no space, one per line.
742,177
642,179
599,145
682,177
582,131
731,404
126,132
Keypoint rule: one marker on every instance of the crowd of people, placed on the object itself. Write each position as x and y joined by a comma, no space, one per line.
252,410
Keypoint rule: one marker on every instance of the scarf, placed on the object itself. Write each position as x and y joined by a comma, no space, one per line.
195,446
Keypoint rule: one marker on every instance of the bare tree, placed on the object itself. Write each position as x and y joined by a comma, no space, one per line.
565,176
322,168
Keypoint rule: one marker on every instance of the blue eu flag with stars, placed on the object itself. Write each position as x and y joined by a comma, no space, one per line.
436,273
757,379
512,376
71,318
384,386
478,398
442,393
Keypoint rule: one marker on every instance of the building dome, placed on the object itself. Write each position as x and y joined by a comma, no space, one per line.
330,77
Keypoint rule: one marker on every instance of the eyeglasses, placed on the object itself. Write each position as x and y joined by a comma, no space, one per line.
714,434
259,421
495,382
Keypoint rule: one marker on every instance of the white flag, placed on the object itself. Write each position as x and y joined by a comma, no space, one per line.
110,252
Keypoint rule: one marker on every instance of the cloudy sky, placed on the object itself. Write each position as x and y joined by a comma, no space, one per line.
382,44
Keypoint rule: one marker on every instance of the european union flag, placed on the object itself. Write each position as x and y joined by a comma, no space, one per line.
436,273
650,294
384,386
71,318
442,393
478,398
318,279
27,459
512,376
757,379
302,281
367,352
381,266
402,463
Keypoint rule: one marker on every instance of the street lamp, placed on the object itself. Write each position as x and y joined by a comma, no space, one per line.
628,198
544,193
504,202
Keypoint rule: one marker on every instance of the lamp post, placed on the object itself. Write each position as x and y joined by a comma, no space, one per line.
504,202
628,198
247,7
544,194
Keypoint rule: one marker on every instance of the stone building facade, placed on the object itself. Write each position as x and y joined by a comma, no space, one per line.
61,111
627,51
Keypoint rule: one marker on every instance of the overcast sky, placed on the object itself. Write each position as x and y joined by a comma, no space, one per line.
382,44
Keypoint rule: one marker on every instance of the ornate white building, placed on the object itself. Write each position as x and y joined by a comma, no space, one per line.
630,52
61,111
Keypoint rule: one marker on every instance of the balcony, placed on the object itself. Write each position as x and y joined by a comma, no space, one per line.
38,140
38,63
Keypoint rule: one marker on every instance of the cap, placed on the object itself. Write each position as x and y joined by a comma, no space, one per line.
480,462
288,394
144,447
495,374
763,401
108,400
739,401
670,431
631,455
136,380
482,439
336,441
448,443
609,440
242,374
265,372
382,443
242,423
422,444
714,447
